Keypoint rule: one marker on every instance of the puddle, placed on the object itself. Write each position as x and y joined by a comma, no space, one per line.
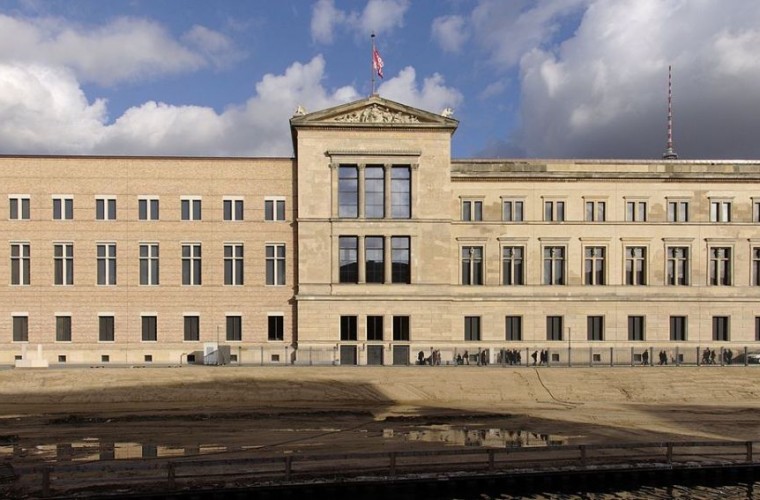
490,438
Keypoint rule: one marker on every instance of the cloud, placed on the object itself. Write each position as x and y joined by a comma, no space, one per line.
324,20
378,16
450,32
433,96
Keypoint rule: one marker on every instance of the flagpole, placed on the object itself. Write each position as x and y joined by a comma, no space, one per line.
372,63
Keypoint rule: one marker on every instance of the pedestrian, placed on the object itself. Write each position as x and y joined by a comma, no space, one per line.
534,356
466,358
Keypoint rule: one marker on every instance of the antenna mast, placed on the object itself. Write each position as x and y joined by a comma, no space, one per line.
669,153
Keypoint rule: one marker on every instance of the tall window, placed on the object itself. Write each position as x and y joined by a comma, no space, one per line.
374,254
63,257
472,265
755,210
63,328
472,210
756,266
348,328
190,209
512,211
234,328
275,327
191,264
348,191
636,211
554,265
401,269
720,211
192,328
401,328
147,209
720,266
106,254
636,328
20,264
233,264
275,265
149,264
512,268
348,257
63,208
678,211
232,209
677,266
20,328
757,328
472,328
274,209
106,329
401,192
374,328
678,329
513,328
554,211
596,211
105,208
720,329
149,328
19,208
635,265
554,328
594,266
595,327
374,191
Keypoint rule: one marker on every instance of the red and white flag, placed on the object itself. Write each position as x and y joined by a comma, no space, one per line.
377,62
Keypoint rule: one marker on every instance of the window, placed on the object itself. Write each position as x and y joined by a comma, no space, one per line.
757,328
275,265
720,211
106,254
233,264
472,210
719,272
513,328
192,328
348,328
147,208
190,208
636,328
275,327
149,264
512,269
596,211
512,211
191,264
636,211
348,257
677,266
720,329
274,209
401,328
401,260
105,208
233,209
374,328
63,328
63,208
635,265
472,328
234,328
678,329
106,329
401,192
756,266
755,211
63,256
554,211
19,207
594,266
20,328
374,252
472,265
554,265
678,211
149,328
595,328
20,264
348,191
554,328
374,191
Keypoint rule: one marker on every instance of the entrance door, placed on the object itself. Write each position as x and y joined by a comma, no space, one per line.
401,355
374,355
348,354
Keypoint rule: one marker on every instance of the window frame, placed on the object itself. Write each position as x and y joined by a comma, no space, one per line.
513,328
105,207
191,208
375,328
63,327
472,268
233,209
19,207
721,328
512,266
676,278
472,329
402,331
594,266
192,264
106,271
20,265
595,328
636,210
65,262
471,209
190,321
516,210
65,207
551,278
635,276
150,263
594,210
637,327
277,211
233,327
678,328
348,267
275,327
720,209
555,209
152,330
720,268
555,326
275,264
106,328
20,328
234,264
374,270
348,328
677,210
148,208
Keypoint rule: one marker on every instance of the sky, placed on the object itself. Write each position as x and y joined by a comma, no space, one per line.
525,78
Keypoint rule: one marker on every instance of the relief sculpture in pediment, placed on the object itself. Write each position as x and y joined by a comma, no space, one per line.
376,114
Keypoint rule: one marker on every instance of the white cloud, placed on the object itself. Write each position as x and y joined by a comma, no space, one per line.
216,48
378,16
434,96
450,32
325,17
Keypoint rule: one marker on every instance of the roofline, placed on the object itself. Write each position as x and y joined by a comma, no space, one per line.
601,161
147,157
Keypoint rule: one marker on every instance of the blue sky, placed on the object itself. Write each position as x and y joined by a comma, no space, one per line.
526,78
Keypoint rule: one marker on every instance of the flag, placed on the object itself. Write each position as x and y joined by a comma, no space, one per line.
377,62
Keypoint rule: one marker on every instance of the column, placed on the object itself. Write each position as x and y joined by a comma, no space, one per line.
360,259
360,196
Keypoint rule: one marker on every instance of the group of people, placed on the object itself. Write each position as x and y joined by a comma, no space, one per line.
433,359
708,356
543,357
510,357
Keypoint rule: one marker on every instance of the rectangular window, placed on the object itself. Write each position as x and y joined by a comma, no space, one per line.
596,211
719,272
554,265
472,210
105,208
63,328
678,211
274,209
401,269
20,328
106,332
190,208
554,211
149,328
678,329
192,328
374,328
595,328
20,207
677,272
275,264
472,328
636,328
472,265
275,327
512,266
512,211
191,264
635,265
147,209
232,209
513,328
636,211
63,208
374,255
757,328
720,211
720,329
149,263
348,328
63,257
401,192
594,267
756,266
348,191
756,211
374,191
234,328
401,328
348,255
554,328
20,264
233,264
106,255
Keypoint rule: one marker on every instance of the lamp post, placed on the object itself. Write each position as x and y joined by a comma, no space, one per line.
569,348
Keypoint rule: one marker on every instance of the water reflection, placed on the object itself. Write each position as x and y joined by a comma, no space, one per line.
690,492
491,438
